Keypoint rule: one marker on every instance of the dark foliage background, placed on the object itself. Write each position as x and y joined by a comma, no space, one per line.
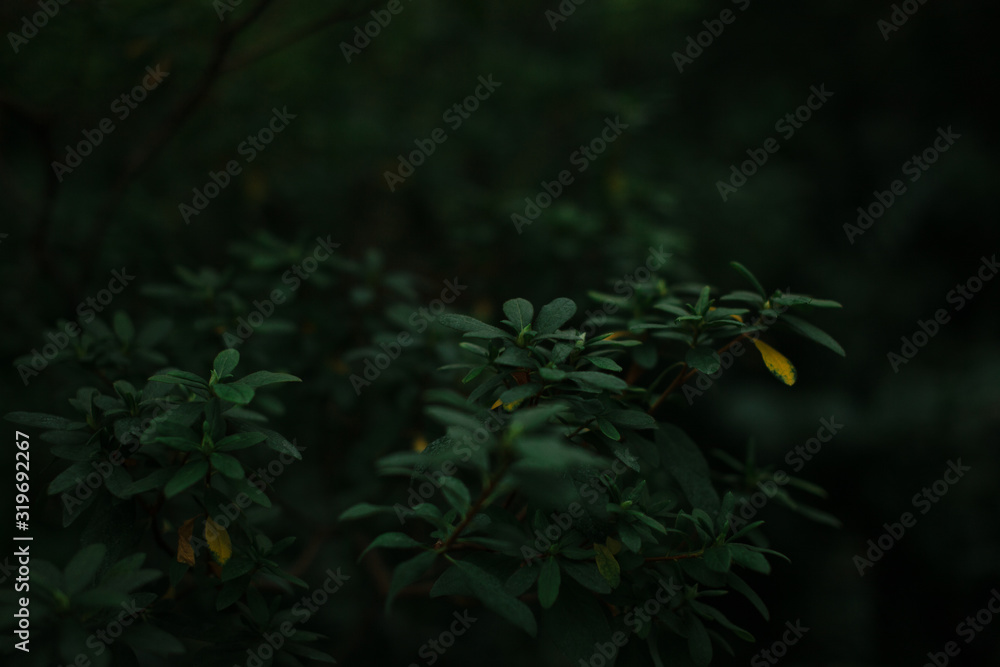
656,184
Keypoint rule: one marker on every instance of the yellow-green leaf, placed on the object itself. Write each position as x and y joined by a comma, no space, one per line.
608,566
777,363
218,541
185,552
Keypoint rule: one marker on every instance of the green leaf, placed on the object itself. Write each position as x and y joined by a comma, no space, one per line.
522,579
67,478
608,429
813,333
701,306
181,377
264,378
122,325
575,623
548,583
520,312
408,572
149,639
227,465
649,521
608,566
750,559
688,467
533,417
391,541
555,314
635,419
234,393
154,480
309,653
82,568
473,374
236,567
492,594
41,420
718,558
699,643
599,380
520,392
225,362
604,363
181,444
745,272
231,590
703,358
239,441
472,327
255,494
190,473
740,586
720,618
456,493
587,574
362,511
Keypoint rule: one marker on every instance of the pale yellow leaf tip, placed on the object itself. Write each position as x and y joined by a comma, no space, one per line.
777,363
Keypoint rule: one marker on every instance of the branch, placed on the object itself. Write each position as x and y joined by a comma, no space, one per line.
303,32
683,377
474,510
155,142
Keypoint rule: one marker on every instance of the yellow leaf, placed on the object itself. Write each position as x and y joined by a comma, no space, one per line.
776,362
218,541
185,552
419,443
509,407
614,546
